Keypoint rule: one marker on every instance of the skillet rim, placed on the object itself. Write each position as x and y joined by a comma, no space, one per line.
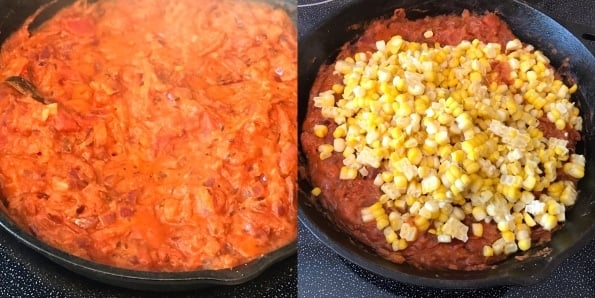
150,280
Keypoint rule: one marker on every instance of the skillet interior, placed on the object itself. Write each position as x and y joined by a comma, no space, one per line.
321,46
12,16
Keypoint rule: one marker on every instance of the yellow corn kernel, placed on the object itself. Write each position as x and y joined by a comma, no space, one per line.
382,222
510,248
428,34
568,196
400,181
503,226
49,110
458,156
414,155
553,207
444,151
399,83
488,251
471,166
555,189
424,171
421,104
395,219
316,191
477,229
422,223
320,130
402,244
372,212
347,173
548,221
478,213
325,151
430,184
475,76
453,173
324,99
390,235
511,193
408,232
529,219
338,88
508,236
387,177
429,147
529,182
442,137
575,170
524,244
410,143
339,145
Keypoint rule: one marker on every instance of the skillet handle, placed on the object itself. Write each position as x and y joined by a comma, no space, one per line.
584,33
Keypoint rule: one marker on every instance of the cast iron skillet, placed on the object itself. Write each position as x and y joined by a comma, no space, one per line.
12,15
321,46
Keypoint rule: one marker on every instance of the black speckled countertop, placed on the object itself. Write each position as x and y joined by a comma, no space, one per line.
323,273
25,273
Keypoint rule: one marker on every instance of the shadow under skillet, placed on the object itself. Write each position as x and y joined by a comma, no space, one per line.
323,273
36,276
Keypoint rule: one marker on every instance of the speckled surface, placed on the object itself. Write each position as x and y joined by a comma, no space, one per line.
25,273
323,273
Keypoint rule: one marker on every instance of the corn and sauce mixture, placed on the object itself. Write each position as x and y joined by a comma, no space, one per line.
153,135
470,143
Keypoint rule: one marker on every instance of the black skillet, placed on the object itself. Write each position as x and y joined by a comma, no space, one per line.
12,15
320,46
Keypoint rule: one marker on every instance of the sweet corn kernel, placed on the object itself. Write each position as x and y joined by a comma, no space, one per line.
316,191
325,151
442,131
422,223
414,155
548,221
320,130
347,173
477,229
524,244
382,223
508,236
478,213
488,251
428,34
